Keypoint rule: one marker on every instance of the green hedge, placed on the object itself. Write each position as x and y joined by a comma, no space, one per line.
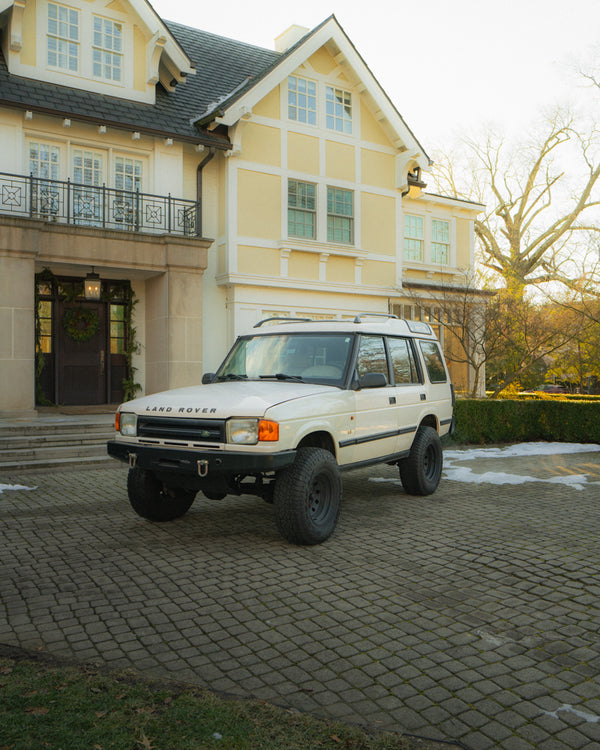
483,421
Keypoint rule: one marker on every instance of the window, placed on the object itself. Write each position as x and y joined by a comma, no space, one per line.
433,361
340,216
63,37
338,110
44,165
107,49
87,171
117,329
403,363
301,209
371,357
440,242
44,320
413,237
302,100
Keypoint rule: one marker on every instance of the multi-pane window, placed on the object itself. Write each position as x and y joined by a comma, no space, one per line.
340,215
338,110
413,237
87,167
440,241
128,173
302,100
301,209
107,49
44,319
44,161
63,37
117,329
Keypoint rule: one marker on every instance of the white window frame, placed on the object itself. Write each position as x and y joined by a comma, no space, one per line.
338,110
440,243
303,210
65,39
336,220
413,244
302,100
109,55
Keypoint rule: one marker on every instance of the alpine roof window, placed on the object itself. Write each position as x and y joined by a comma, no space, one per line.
63,37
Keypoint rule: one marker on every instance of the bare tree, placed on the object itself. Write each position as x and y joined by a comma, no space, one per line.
539,197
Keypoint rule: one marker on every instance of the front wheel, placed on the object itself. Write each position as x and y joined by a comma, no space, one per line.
308,496
420,473
152,500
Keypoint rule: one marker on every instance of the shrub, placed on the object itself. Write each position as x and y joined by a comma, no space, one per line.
553,419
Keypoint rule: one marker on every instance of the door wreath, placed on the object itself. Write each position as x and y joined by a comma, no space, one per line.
80,324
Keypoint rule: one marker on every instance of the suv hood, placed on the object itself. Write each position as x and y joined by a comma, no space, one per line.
223,400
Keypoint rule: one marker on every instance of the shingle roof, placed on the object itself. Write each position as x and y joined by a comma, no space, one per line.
222,66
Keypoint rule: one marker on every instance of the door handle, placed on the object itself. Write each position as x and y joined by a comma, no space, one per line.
423,397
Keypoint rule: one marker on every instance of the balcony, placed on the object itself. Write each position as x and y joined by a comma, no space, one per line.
101,207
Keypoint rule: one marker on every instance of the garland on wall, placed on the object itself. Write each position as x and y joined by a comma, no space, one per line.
81,325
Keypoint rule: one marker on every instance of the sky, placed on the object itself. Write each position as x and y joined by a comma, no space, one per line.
449,66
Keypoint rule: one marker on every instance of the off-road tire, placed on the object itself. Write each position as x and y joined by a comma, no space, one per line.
308,497
151,500
420,473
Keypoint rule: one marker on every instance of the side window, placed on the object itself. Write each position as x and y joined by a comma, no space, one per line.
372,357
433,361
403,361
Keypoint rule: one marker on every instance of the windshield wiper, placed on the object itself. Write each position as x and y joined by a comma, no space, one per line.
282,376
232,376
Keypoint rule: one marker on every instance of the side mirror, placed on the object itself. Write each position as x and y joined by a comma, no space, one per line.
207,378
373,380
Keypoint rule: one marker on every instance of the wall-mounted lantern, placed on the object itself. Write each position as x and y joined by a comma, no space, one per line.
92,286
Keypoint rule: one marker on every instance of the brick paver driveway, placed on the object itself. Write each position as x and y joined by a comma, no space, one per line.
472,615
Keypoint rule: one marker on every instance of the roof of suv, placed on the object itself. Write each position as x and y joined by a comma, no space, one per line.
365,323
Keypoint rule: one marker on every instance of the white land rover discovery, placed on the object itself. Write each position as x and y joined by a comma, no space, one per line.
293,403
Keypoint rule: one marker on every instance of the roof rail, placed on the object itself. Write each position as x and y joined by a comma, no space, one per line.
286,320
357,319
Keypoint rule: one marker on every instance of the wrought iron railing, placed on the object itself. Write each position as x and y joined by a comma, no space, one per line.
103,207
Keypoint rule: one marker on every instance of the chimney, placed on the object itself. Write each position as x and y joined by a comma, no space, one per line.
289,37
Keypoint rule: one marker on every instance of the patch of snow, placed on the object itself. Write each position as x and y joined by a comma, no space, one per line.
4,487
522,449
566,708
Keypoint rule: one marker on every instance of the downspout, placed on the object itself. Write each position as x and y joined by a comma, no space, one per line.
203,163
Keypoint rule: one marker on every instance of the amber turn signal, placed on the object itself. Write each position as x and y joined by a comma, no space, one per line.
268,431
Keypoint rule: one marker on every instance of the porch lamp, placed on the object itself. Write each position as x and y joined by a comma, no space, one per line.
92,286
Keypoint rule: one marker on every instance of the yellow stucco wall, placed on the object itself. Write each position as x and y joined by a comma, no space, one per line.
303,266
378,223
378,273
303,153
262,144
340,161
322,62
268,106
139,59
258,260
340,270
259,205
463,243
28,50
378,169
370,129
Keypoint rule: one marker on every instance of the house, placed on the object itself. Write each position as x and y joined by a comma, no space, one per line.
193,185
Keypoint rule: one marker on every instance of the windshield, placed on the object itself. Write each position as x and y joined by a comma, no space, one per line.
306,357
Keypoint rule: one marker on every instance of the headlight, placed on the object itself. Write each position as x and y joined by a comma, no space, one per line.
242,431
127,424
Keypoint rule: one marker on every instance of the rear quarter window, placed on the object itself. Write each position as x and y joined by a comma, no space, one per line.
433,361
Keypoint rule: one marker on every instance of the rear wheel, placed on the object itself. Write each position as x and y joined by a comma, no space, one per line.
308,496
152,500
420,473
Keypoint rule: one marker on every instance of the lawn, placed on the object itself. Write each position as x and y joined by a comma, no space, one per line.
48,705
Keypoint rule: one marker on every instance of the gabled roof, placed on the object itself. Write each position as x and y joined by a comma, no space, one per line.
328,34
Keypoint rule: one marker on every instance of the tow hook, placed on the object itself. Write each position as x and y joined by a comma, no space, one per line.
132,460
202,468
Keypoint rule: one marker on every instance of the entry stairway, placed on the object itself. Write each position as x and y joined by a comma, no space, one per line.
55,440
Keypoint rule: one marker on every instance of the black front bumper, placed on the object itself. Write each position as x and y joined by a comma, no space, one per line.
204,466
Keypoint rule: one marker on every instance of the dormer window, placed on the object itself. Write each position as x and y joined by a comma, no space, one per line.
107,49
63,37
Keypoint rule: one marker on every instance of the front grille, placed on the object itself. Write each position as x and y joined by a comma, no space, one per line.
190,430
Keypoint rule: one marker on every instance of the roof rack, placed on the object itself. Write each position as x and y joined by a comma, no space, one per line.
283,319
357,319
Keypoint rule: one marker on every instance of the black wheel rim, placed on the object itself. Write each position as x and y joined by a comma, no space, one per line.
430,463
320,498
